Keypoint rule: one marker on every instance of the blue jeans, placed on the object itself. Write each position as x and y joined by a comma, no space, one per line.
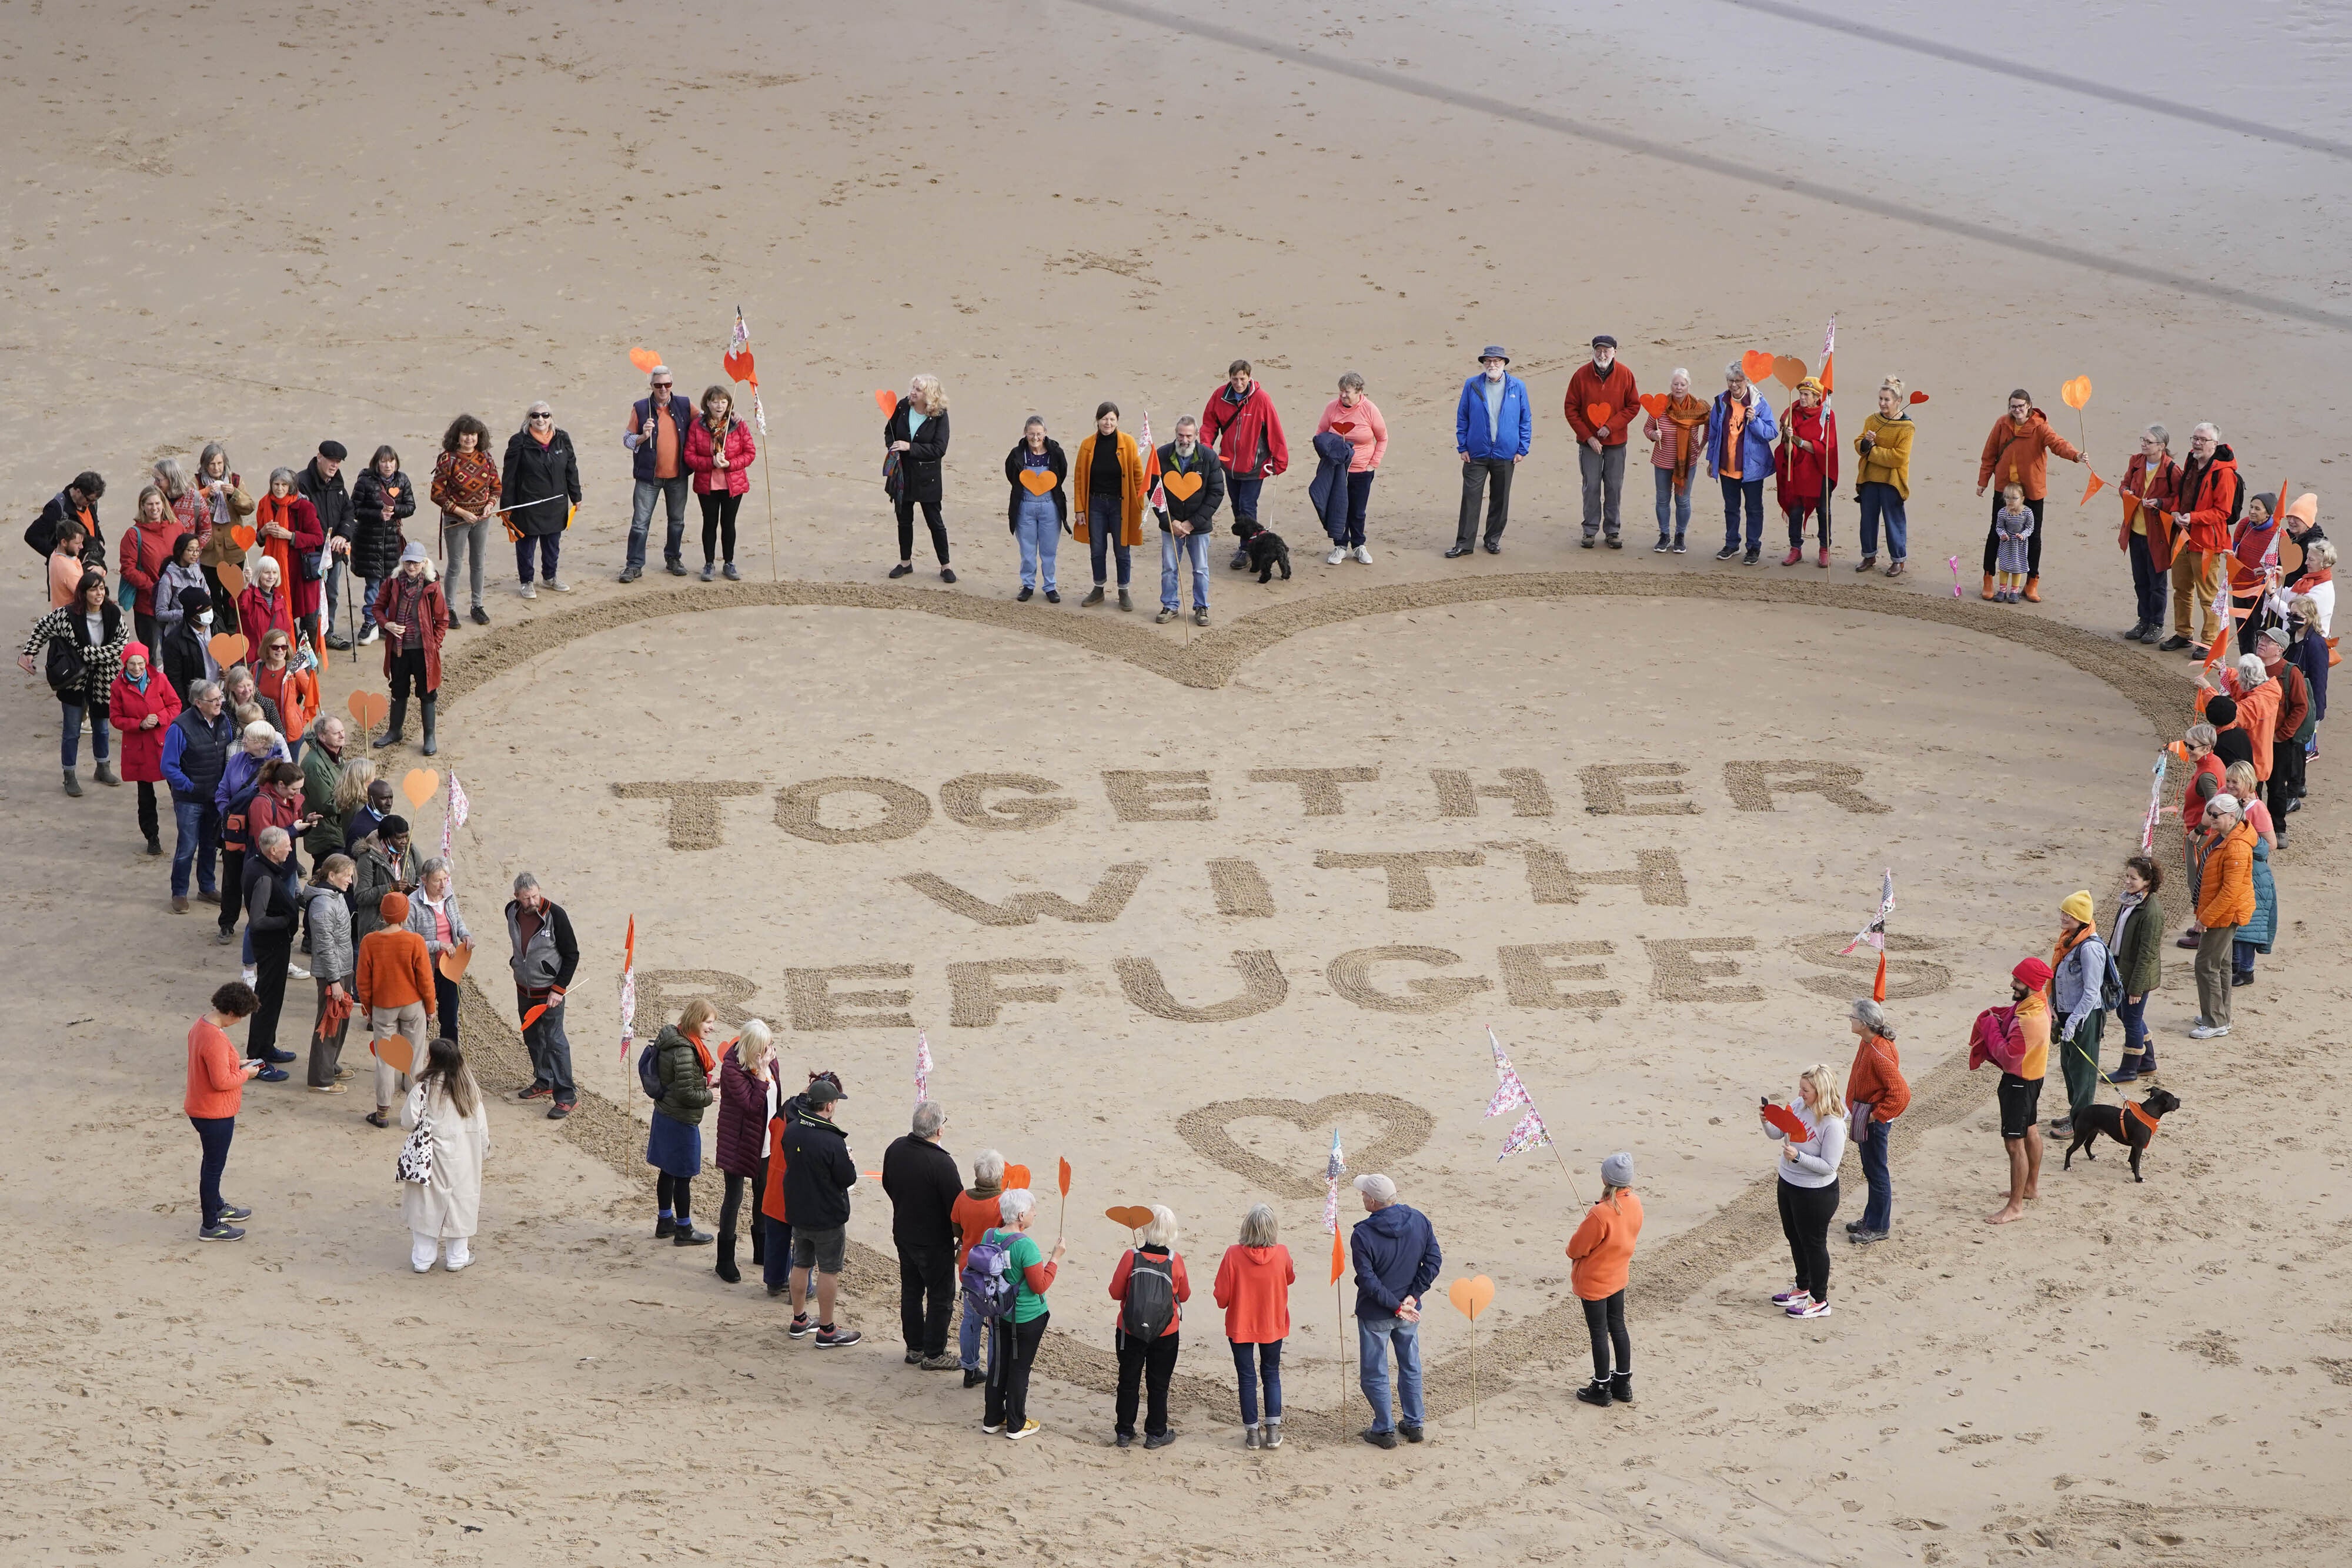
2147,583
367,600
1241,492
971,1335
2241,958
640,517
199,829
1878,1212
70,745
1734,490
1193,548
1669,502
1373,1336
1879,500
1253,1365
2133,1015
1102,529
1039,529
214,1133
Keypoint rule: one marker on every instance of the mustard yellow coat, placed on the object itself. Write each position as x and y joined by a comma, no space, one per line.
1131,500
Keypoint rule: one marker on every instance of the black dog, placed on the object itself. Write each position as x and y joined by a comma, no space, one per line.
2132,1125
1265,551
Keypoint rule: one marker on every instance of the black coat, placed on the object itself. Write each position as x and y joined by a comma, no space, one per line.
818,1172
535,473
42,533
273,896
923,1184
185,658
1199,512
1056,460
376,544
328,499
919,465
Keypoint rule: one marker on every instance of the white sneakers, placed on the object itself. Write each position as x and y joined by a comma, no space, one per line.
1335,557
1809,1308
1363,556
367,636
296,972
2209,1031
557,585
528,591
1360,555
247,975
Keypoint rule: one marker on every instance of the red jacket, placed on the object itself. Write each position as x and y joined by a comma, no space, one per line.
700,447
2160,490
2213,506
1797,474
257,612
145,550
279,806
1616,389
432,625
215,1076
1176,1272
126,706
1247,435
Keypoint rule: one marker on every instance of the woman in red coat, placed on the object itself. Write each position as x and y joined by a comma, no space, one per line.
264,605
719,449
142,705
1805,468
415,618
290,534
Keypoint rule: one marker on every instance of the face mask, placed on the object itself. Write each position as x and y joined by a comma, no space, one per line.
205,617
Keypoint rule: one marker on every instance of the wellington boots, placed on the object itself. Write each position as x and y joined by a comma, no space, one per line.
1988,587
2034,590
399,721
430,746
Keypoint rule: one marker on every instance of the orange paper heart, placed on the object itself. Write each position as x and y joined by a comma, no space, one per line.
1654,404
532,1017
1471,1296
643,359
1038,481
395,1052
1134,1216
2077,392
1788,370
739,367
1756,364
420,785
232,576
885,399
228,648
1919,397
1016,1179
453,962
243,536
1183,486
368,707
1597,413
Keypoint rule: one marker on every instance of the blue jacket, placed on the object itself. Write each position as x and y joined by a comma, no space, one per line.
1516,423
1755,440
1396,1256
1328,492
196,753
641,465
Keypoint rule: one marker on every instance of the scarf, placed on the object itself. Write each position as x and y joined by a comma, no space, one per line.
278,511
1689,415
407,601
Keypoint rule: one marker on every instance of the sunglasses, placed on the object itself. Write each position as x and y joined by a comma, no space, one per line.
539,416
661,386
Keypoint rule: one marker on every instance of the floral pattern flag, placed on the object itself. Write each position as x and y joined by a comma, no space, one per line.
1333,1169
1528,1134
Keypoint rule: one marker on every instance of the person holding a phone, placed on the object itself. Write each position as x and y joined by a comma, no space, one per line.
1813,1132
215,1092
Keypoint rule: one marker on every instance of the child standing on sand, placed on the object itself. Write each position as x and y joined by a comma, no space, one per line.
2014,525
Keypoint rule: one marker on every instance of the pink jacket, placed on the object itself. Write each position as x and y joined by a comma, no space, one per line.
1366,432
740,454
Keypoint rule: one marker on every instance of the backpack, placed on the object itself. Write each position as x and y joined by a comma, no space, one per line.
2111,985
68,671
988,1281
1150,1304
649,1071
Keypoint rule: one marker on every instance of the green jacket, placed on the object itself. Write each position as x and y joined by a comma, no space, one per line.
686,1088
319,774
2138,947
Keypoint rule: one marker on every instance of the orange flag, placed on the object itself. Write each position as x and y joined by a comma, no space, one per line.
1878,985
2093,488
1339,1255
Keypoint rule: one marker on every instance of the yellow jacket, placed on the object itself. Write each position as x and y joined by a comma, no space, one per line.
1130,474
1887,461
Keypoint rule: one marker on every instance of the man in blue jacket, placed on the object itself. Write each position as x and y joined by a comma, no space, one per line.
1740,431
195,753
1396,1258
656,440
1493,425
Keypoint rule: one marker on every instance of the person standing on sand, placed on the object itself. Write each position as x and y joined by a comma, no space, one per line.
2080,968
320,484
1038,518
2225,901
334,965
432,914
1252,1285
544,955
975,1214
923,1186
229,505
382,499
1354,419
415,618
2137,941
1494,426
539,486
1739,435
655,439
683,1067
95,632
1676,433
719,449
142,705
2209,497
1395,1252
393,981
2016,1039
273,915
818,1176
916,434
1012,1349
466,488
1809,1187
2150,489
1605,386
1805,470
445,1209
1240,423
1883,477
1150,1288
216,1091
2016,452
1600,1254
77,503
1874,1086
197,747
1189,520
747,1087
1110,475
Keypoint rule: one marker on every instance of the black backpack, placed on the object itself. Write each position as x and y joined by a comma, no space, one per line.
1150,1304
649,1070
68,672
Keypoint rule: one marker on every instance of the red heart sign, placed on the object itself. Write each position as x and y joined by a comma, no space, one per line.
1037,481
643,359
1016,1179
1755,365
243,534
1918,397
1183,486
1597,413
1343,428
1654,404
739,367
885,399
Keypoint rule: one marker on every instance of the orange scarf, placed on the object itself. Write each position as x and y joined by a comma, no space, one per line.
274,510
1690,414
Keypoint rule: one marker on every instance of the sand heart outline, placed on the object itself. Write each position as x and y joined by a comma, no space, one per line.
420,785
1756,364
1183,486
228,648
1471,1296
1404,1132
1038,481
1134,1216
1654,404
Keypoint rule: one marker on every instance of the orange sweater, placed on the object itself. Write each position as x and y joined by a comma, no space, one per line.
974,1218
215,1076
394,970
1254,1287
1876,1077
1602,1246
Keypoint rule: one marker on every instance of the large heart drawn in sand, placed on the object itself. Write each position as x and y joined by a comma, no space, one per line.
1038,481
1183,486
1404,1129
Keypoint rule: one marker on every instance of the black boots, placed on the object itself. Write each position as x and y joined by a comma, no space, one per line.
430,747
726,1262
398,722
1594,1393
1621,1388
1617,1390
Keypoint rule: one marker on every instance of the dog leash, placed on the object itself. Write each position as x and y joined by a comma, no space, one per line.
2130,1109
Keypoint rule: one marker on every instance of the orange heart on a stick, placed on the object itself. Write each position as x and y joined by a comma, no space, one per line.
1597,413
739,367
2077,392
885,399
643,359
1788,369
1654,404
1183,486
1016,1179
420,785
454,961
396,1051
1038,481
368,707
243,536
533,1016
1471,1296
1134,1216
232,576
228,648
1756,364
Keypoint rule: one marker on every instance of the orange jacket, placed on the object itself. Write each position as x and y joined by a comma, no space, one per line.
1876,1077
394,970
2258,713
1254,1287
215,1076
1602,1248
2212,503
2225,885
2018,454
2159,487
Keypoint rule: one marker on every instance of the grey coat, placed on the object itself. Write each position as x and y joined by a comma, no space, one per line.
378,874
331,955
421,921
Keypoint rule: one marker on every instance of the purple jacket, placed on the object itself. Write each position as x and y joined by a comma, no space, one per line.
742,1119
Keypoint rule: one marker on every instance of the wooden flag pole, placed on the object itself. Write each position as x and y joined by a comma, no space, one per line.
770,475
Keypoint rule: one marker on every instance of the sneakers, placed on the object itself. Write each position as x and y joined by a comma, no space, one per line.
1866,1237
1029,1427
235,1213
1158,1439
1791,1297
1493,546
529,590
1752,557
1809,1309
1166,613
1249,1436
1269,1434
220,1233
537,1091
1681,548
277,1074
1200,618
1379,1439
1241,557
830,1338
247,975
1454,553
296,972
480,616
940,1363
1595,1392
708,571
1339,553
2202,1032
800,1326
368,636
1589,540
992,1431
556,585
1053,596
280,1056
1727,552
1613,542
561,1109
730,573
1363,557
338,643
1410,1431
1664,544
673,566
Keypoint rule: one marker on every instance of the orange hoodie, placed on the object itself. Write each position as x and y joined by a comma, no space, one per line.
2019,455
1602,1246
394,968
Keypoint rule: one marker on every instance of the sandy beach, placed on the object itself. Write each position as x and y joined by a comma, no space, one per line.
1175,902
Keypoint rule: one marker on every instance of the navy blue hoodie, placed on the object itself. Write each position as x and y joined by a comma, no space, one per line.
1396,1256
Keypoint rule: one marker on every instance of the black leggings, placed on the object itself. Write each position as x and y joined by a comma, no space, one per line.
2032,546
151,825
1805,1215
1605,1321
718,524
1012,1351
730,1211
931,520
677,1195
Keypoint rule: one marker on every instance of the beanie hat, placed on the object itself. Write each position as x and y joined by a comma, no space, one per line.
2306,508
135,651
2031,973
394,907
2220,712
1617,1170
2078,904
1812,382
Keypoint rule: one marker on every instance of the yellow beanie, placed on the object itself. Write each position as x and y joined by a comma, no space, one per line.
2077,905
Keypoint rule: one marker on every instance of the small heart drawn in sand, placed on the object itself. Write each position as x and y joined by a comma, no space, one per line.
1405,1128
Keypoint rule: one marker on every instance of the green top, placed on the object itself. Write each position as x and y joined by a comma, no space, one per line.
1021,1254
